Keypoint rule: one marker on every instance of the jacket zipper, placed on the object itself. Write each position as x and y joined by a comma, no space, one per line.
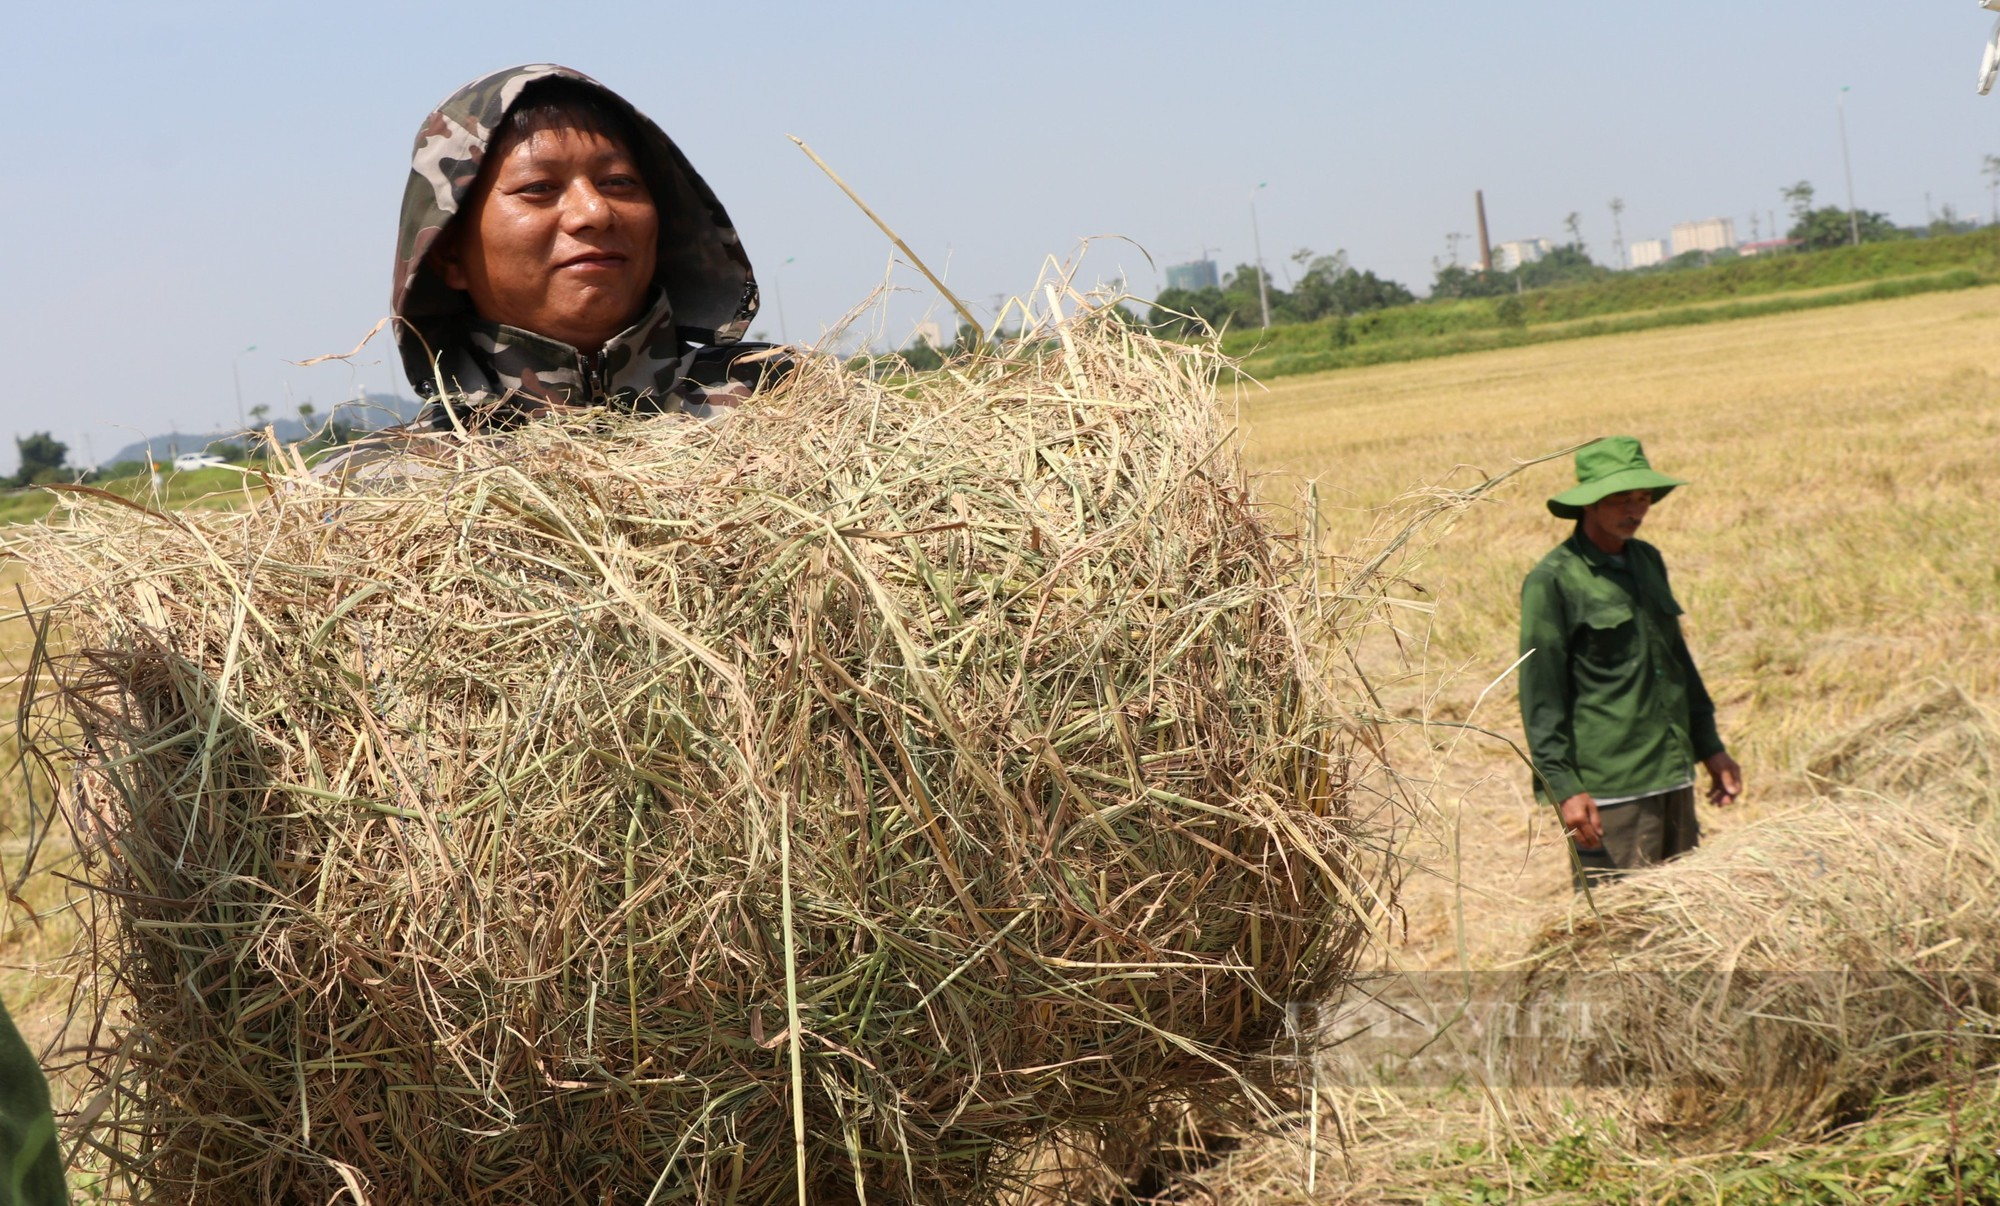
593,378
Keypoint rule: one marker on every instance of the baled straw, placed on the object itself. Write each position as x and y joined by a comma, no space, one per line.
1786,976
614,810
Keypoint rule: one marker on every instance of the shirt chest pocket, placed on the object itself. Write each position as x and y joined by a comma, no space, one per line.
1610,632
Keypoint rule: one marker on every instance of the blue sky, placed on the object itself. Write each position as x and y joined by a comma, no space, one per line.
189,179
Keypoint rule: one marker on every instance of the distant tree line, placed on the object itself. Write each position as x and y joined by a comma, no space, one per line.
1327,287
1566,265
921,357
1822,228
45,459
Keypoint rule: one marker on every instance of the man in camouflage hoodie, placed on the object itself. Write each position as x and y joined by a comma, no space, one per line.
558,251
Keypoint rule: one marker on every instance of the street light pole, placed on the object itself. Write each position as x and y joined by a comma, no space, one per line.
1257,241
778,292
236,376
1853,220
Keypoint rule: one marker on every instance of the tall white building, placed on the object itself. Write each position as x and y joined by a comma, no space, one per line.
1714,234
1647,253
1509,256
1194,276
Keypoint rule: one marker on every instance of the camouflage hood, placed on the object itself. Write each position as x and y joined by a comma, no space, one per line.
704,291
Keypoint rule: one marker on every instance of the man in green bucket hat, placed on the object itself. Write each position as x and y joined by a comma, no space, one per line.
1615,711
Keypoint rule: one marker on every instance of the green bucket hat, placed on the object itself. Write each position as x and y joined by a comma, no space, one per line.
1610,466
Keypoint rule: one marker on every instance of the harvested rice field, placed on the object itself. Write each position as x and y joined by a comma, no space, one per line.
1834,553
1834,549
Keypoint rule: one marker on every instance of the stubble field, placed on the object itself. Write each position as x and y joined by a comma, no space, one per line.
1835,550
1836,556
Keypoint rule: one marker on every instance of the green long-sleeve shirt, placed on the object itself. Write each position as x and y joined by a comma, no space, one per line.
31,1172
1610,697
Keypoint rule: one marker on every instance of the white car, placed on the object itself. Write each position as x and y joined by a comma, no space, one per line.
189,461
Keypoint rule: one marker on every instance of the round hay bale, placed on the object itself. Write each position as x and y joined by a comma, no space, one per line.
836,798
1780,980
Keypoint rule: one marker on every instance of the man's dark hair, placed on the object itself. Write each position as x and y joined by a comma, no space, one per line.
559,103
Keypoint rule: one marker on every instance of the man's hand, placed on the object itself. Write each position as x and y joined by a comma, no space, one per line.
1725,779
1579,816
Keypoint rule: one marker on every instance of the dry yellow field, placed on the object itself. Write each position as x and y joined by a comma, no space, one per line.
1836,553
1835,550
34,936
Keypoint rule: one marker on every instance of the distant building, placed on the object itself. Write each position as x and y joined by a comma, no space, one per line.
1768,246
1647,253
1509,256
927,332
1193,276
1715,234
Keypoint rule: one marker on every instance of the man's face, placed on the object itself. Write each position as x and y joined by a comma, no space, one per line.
558,237
1615,519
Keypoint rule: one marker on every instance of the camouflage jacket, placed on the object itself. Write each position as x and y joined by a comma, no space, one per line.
684,355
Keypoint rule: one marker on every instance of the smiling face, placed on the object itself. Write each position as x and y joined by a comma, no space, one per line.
1615,519
559,236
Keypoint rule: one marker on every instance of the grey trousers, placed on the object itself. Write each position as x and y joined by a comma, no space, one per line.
1639,833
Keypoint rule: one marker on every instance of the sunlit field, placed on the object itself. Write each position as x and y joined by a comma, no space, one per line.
1834,549
1835,553
38,927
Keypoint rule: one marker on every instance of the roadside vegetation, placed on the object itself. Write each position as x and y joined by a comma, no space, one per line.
1336,317
219,485
224,467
